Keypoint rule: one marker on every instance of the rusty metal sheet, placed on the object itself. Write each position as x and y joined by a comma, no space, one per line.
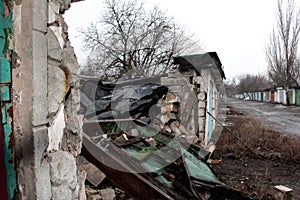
126,177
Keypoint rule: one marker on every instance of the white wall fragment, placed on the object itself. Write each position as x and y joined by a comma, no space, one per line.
56,130
53,11
58,32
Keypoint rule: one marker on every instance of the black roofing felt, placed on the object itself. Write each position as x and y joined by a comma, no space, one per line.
201,61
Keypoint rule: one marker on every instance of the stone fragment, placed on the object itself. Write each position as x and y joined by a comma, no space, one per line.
202,96
81,182
170,107
53,11
64,4
61,192
58,32
167,118
95,197
197,79
54,49
151,141
183,130
176,89
57,88
282,193
174,127
171,98
70,60
174,74
167,128
134,132
107,194
201,112
63,170
167,81
121,138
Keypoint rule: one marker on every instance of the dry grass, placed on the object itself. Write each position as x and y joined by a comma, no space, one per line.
263,141
259,159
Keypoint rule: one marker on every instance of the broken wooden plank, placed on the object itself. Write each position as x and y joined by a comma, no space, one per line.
94,175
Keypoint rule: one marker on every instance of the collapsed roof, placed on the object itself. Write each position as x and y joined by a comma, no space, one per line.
146,159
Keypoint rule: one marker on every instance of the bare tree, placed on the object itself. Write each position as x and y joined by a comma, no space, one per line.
252,83
281,52
129,41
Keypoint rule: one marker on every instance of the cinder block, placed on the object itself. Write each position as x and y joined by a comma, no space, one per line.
201,112
197,79
41,165
174,73
201,104
107,194
167,81
40,15
181,81
202,96
40,82
63,170
175,89
189,73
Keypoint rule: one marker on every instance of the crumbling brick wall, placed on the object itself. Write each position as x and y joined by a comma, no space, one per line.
187,86
47,126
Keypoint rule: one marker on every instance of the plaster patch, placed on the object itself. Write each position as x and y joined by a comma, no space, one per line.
56,131
58,33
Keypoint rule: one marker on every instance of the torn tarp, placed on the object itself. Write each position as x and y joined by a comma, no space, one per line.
115,101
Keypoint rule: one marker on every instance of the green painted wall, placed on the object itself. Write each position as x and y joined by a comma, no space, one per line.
5,97
298,97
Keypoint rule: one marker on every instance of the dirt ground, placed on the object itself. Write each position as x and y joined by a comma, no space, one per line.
253,159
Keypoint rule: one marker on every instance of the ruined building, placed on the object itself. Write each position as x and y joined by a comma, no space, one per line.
41,126
41,130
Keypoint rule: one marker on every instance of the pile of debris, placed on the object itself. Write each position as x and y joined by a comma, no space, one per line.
135,138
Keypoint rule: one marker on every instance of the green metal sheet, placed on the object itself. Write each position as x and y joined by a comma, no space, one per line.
198,170
298,97
140,154
4,93
5,71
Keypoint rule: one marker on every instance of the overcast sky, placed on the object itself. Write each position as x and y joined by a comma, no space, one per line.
237,30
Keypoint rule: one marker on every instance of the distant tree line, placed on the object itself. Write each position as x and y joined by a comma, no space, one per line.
247,83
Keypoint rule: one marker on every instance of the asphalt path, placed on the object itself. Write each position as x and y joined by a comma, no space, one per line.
275,116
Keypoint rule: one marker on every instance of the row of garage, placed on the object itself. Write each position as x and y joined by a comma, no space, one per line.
274,95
